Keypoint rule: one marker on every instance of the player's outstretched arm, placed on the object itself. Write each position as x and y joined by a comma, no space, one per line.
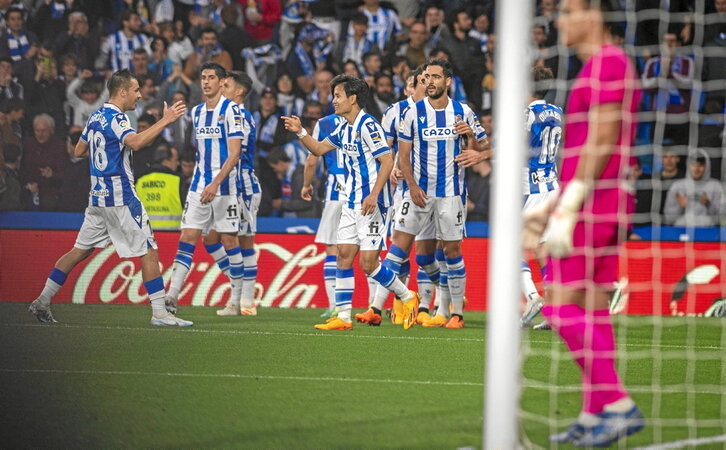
306,193
137,141
294,125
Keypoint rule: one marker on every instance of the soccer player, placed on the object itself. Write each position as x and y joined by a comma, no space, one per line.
426,239
432,133
212,199
368,163
544,123
236,87
334,198
588,221
115,213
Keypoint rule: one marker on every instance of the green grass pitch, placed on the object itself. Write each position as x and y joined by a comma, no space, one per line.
103,377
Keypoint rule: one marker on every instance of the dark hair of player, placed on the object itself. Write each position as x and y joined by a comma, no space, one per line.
445,65
241,79
352,86
611,11
540,74
417,72
121,79
218,70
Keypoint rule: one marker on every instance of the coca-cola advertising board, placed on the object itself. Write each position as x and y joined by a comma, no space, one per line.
669,278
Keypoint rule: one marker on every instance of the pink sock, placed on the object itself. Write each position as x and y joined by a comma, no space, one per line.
569,322
604,383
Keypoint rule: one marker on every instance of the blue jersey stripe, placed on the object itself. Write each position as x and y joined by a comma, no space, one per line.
365,179
195,180
458,112
441,156
423,180
223,150
208,149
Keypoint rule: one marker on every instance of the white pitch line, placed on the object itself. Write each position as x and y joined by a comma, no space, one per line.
339,335
241,376
685,443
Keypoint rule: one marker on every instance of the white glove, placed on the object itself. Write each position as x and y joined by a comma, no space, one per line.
562,222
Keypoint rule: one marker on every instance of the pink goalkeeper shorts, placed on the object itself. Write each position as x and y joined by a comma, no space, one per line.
594,259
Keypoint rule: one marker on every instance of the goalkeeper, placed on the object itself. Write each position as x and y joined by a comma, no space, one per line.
588,221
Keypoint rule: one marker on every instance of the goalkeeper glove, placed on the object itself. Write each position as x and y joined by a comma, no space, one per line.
562,222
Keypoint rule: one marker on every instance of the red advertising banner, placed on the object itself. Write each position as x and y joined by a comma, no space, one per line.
669,278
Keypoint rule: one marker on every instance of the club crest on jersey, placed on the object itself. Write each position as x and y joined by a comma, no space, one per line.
221,118
458,118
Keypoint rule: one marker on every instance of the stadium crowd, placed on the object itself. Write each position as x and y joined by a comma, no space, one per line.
55,56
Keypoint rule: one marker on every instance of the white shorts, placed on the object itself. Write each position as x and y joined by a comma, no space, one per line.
248,219
127,227
368,232
447,214
221,214
428,232
536,201
328,229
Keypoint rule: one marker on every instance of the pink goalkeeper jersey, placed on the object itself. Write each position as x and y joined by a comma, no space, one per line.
607,77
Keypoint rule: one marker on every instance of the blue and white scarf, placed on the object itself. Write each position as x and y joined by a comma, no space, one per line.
18,46
57,9
264,54
303,58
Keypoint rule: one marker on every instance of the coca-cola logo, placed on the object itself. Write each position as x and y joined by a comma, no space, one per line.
110,279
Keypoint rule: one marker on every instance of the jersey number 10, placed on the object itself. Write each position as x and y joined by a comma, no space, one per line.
550,138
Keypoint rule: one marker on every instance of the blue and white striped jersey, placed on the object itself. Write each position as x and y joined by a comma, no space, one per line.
120,49
112,179
392,120
212,128
360,145
336,180
383,25
436,144
247,183
544,123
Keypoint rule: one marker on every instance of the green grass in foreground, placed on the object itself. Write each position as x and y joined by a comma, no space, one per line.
105,378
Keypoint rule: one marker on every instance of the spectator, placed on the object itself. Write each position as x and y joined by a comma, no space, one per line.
434,21
696,200
290,178
668,78
161,189
148,94
261,18
323,93
310,53
17,43
416,51
144,158
179,82
117,49
372,64
289,102
478,179
78,41
232,37
10,188
663,180
68,68
351,69
547,17
400,69
209,50
383,96
295,151
466,55
207,14
180,132
11,131
356,45
188,161
326,15
140,63
83,96
480,31
180,46
407,11
44,157
270,129
50,18
716,23
45,92
643,183
160,65
76,182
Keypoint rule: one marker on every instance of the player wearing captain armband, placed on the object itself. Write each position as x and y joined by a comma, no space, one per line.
432,134
588,221
115,213
212,199
334,198
367,163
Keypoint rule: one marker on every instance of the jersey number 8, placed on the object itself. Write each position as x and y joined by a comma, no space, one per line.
98,149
